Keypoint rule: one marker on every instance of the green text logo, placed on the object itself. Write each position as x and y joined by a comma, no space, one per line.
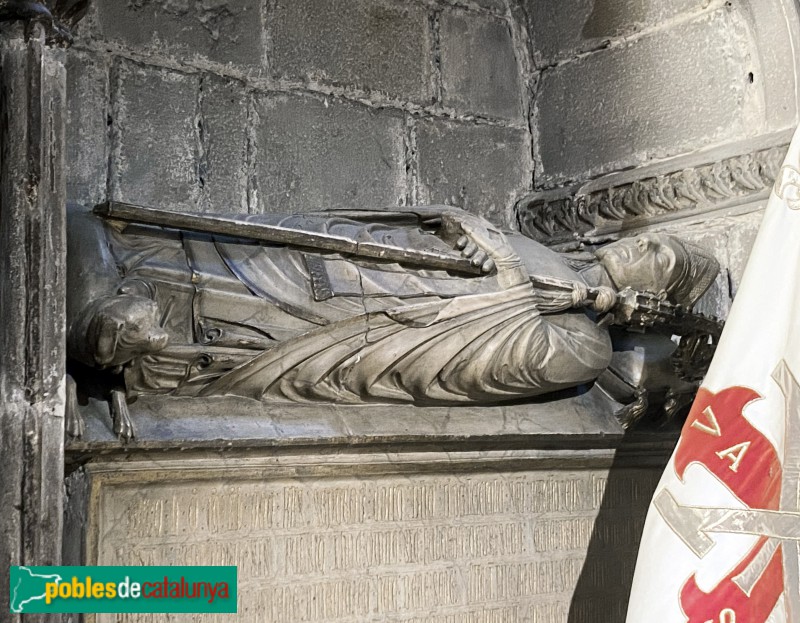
123,589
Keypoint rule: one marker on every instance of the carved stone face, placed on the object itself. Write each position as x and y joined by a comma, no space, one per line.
648,263
124,327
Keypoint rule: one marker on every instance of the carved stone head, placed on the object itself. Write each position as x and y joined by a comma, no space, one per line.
661,264
116,329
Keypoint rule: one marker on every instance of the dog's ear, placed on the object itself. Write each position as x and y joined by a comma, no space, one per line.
107,339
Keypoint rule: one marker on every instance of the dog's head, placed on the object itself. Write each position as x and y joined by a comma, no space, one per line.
123,327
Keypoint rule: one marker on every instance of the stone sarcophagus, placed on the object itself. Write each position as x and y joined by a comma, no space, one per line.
376,416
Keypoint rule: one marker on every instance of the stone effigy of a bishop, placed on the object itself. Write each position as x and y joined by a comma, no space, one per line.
429,305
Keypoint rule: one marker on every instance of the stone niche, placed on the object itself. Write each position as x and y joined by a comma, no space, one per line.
390,514
589,117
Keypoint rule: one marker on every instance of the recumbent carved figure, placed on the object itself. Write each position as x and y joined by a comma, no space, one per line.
430,305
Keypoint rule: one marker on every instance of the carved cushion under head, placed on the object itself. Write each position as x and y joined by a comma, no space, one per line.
91,270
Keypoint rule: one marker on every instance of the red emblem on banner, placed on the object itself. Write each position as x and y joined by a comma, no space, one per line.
717,436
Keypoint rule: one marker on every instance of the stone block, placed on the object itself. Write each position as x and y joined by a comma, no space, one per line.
223,170
625,105
228,32
155,137
560,29
87,128
480,74
481,168
314,154
395,538
379,45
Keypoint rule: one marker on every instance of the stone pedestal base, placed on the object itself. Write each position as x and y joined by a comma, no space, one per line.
391,532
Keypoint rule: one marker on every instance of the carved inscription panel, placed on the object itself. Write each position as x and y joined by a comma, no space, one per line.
479,548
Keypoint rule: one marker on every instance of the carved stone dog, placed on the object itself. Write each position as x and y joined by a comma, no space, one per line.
114,329
110,332
107,327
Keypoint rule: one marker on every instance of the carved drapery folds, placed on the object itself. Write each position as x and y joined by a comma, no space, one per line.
557,216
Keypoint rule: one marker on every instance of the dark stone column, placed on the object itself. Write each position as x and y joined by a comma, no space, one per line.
32,295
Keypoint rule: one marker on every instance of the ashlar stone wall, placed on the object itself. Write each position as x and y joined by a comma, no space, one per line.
622,83
292,105
298,105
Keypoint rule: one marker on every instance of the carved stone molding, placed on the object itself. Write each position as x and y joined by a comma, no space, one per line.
652,194
32,301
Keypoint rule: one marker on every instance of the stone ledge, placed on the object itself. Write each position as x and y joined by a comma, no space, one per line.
231,423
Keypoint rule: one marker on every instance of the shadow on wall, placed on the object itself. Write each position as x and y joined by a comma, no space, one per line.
605,20
603,587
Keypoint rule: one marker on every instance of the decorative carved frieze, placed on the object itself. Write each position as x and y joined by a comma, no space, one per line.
557,216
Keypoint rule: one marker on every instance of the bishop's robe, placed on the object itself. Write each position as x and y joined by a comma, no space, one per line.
272,322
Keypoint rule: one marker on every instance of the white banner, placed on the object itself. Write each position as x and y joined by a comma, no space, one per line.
721,539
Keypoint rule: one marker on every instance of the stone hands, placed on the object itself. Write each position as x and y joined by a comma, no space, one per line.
475,254
485,246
